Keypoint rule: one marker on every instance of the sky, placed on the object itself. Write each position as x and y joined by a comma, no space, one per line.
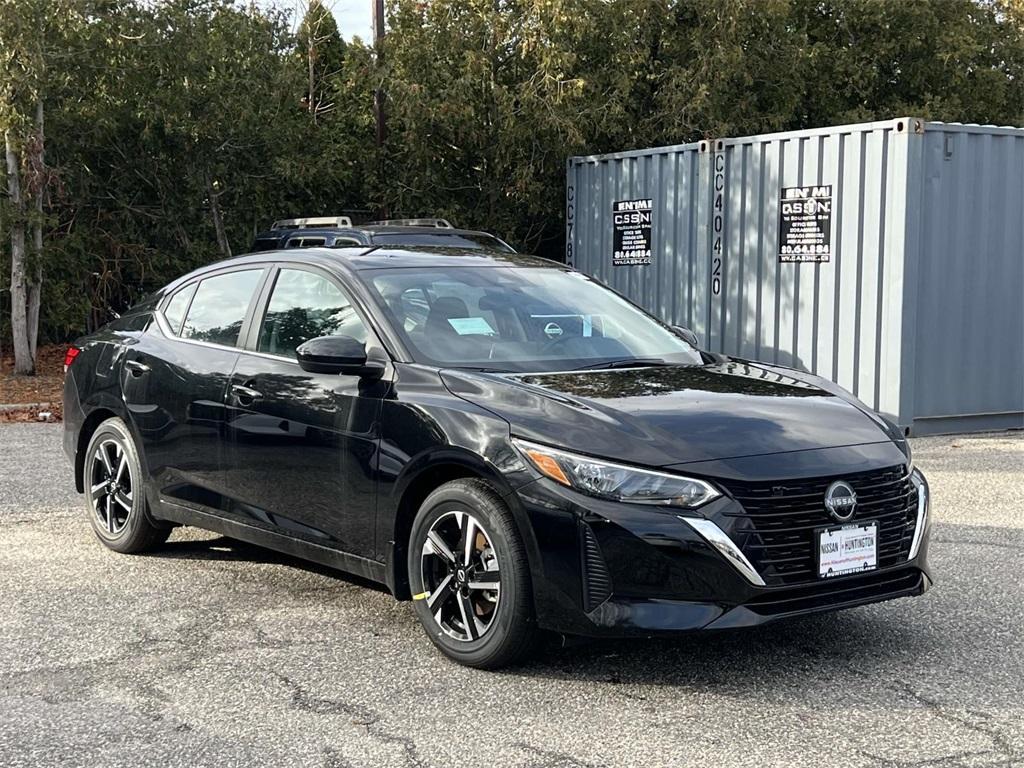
354,17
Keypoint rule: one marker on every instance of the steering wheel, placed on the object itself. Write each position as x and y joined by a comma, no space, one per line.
556,344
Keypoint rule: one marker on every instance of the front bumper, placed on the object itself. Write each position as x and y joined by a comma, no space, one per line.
611,569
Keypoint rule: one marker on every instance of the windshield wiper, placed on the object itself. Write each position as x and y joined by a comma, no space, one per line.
628,362
478,369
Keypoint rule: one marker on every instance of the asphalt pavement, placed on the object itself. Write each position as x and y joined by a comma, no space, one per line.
215,653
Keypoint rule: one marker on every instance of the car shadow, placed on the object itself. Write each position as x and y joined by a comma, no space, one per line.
960,641
841,644
224,549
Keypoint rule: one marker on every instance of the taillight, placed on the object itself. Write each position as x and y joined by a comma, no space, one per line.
69,357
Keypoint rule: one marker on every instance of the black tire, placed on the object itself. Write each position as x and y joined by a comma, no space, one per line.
511,633
118,514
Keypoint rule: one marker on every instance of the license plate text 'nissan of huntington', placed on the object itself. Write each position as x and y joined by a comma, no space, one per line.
503,441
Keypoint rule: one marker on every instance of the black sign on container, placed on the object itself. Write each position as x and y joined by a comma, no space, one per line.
631,229
805,224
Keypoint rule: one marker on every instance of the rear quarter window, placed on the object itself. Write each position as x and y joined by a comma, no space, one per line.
135,323
174,313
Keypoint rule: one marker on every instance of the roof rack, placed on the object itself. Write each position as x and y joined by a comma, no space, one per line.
317,221
421,222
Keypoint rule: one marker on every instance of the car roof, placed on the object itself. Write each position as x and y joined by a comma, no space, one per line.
277,234
392,256
357,258
373,229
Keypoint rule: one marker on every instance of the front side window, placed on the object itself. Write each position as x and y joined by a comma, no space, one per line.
219,307
520,319
304,306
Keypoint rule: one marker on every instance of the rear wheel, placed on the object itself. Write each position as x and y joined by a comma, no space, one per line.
470,578
114,494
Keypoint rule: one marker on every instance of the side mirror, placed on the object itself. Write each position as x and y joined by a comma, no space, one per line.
687,335
340,355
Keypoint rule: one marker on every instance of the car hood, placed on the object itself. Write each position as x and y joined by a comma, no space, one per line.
659,416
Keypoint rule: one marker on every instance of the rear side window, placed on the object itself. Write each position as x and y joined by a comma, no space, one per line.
177,306
305,306
306,242
219,307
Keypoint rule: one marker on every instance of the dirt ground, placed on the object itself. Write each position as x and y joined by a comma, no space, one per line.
46,386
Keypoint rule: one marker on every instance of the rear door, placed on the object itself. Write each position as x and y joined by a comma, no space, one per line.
303,445
175,378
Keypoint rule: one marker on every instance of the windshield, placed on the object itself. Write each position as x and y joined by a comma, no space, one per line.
445,240
524,319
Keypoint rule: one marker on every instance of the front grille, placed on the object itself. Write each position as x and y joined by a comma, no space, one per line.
779,519
597,582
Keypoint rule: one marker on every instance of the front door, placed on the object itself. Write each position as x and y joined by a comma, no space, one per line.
303,445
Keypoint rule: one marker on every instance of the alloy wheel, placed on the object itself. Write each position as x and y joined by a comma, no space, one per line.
461,576
111,487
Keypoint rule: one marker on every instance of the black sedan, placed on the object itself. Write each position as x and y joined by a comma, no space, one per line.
502,440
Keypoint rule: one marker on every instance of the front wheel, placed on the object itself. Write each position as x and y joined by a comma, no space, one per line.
114,493
470,578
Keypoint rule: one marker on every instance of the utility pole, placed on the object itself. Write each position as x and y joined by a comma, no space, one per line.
378,93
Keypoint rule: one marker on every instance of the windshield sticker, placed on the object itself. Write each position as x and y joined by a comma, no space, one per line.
465,326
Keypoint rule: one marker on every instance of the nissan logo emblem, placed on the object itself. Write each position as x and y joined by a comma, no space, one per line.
840,500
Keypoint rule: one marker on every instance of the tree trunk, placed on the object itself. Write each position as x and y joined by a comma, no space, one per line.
218,221
24,360
35,287
310,60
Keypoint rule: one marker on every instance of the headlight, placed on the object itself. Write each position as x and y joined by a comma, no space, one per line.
615,481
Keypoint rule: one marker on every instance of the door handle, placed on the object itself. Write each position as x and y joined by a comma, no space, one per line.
245,394
135,368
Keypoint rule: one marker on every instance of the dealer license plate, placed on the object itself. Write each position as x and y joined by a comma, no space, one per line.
847,549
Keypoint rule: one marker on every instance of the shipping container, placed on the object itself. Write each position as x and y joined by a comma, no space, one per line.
886,256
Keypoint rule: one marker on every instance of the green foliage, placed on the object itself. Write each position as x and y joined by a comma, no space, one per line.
165,118
483,109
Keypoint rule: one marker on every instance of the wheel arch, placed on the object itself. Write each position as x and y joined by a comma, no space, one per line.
421,478
89,426
103,407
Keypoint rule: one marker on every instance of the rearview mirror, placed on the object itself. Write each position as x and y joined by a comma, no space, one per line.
340,355
687,335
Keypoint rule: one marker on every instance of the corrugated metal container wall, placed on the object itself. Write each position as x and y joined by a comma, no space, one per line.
970,287
924,232
671,177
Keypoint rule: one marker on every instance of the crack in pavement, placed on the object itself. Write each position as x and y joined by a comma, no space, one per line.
302,700
954,760
333,759
306,702
552,758
1002,748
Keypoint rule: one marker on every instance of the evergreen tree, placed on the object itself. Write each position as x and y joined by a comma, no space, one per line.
321,51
